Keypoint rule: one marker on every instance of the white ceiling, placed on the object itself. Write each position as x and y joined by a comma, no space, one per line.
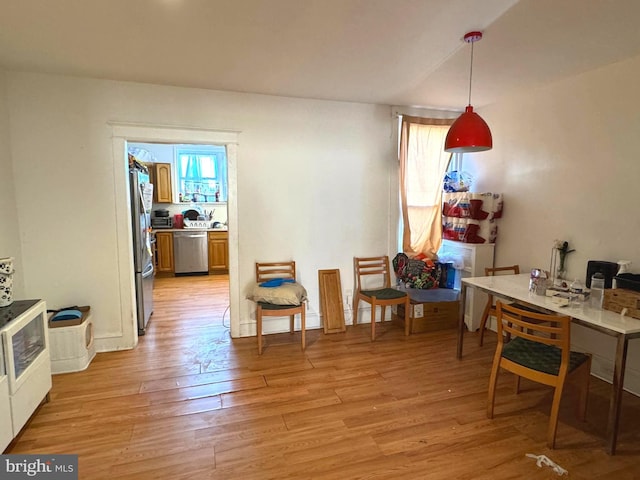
395,52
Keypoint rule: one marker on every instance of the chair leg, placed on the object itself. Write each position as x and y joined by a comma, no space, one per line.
291,323
373,319
259,328
517,384
553,418
483,321
303,325
354,322
408,317
584,389
493,381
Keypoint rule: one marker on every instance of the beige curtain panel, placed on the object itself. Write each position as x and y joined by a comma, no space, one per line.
423,163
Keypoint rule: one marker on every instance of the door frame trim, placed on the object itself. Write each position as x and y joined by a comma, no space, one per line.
123,132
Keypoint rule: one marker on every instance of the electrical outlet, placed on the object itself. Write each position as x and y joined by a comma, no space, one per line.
418,311
348,295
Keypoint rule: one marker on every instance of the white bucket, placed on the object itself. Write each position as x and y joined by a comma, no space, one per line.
6,281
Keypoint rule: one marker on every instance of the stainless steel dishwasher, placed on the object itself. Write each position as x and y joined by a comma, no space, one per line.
190,252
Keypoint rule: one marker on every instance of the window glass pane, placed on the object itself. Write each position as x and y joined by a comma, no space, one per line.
201,173
208,168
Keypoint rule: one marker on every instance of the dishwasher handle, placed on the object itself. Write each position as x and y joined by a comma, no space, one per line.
190,234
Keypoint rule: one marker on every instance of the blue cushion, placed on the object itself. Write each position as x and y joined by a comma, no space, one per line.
67,315
276,282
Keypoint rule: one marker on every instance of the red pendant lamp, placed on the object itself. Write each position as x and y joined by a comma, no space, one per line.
469,133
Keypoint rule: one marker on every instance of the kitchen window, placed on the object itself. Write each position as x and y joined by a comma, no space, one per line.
201,173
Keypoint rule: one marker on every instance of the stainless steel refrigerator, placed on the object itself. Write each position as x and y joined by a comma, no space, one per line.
141,199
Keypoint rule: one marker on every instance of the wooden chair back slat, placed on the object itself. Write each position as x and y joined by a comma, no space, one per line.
269,271
371,266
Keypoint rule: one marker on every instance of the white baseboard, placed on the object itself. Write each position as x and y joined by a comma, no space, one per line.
313,320
279,324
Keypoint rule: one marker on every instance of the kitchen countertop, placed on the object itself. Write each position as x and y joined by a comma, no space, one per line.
156,230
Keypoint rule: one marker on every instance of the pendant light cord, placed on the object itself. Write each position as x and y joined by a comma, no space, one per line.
471,71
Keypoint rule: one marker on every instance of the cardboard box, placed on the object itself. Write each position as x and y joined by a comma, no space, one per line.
618,299
435,316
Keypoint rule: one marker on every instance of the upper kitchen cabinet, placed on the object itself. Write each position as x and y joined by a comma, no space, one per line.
160,178
162,185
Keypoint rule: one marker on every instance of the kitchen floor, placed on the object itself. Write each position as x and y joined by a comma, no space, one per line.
190,403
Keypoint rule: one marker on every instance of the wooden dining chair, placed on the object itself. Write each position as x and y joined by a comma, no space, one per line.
539,350
372,277
285,271
490,307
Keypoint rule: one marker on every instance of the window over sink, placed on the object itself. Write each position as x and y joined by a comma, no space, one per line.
201,173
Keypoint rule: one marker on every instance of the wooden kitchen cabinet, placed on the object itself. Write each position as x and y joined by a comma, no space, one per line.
162,185
164,252
160,178
218,252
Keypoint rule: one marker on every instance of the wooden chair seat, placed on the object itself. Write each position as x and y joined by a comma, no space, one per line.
540,357
384,293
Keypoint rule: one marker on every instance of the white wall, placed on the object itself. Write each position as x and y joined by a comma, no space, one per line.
9,226
567,159
314,181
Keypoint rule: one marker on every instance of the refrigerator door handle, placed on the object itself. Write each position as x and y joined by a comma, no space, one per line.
148,271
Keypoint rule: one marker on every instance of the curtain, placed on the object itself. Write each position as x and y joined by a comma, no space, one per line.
423,163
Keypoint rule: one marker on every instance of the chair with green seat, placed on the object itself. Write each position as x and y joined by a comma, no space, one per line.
539,350
372,277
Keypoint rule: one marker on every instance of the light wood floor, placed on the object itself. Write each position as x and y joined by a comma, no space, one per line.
190,403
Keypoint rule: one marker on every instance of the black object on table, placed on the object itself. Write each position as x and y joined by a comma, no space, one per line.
13,311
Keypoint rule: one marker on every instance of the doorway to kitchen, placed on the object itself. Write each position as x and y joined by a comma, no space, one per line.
188,219
125,134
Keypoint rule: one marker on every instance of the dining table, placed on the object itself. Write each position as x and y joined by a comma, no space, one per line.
515,288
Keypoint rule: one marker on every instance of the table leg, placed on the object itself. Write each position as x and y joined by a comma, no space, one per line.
463,300
616,393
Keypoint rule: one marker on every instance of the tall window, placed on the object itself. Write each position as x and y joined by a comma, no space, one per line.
423,163
201,173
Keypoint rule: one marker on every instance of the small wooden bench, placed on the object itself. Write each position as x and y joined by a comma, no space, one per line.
433,309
